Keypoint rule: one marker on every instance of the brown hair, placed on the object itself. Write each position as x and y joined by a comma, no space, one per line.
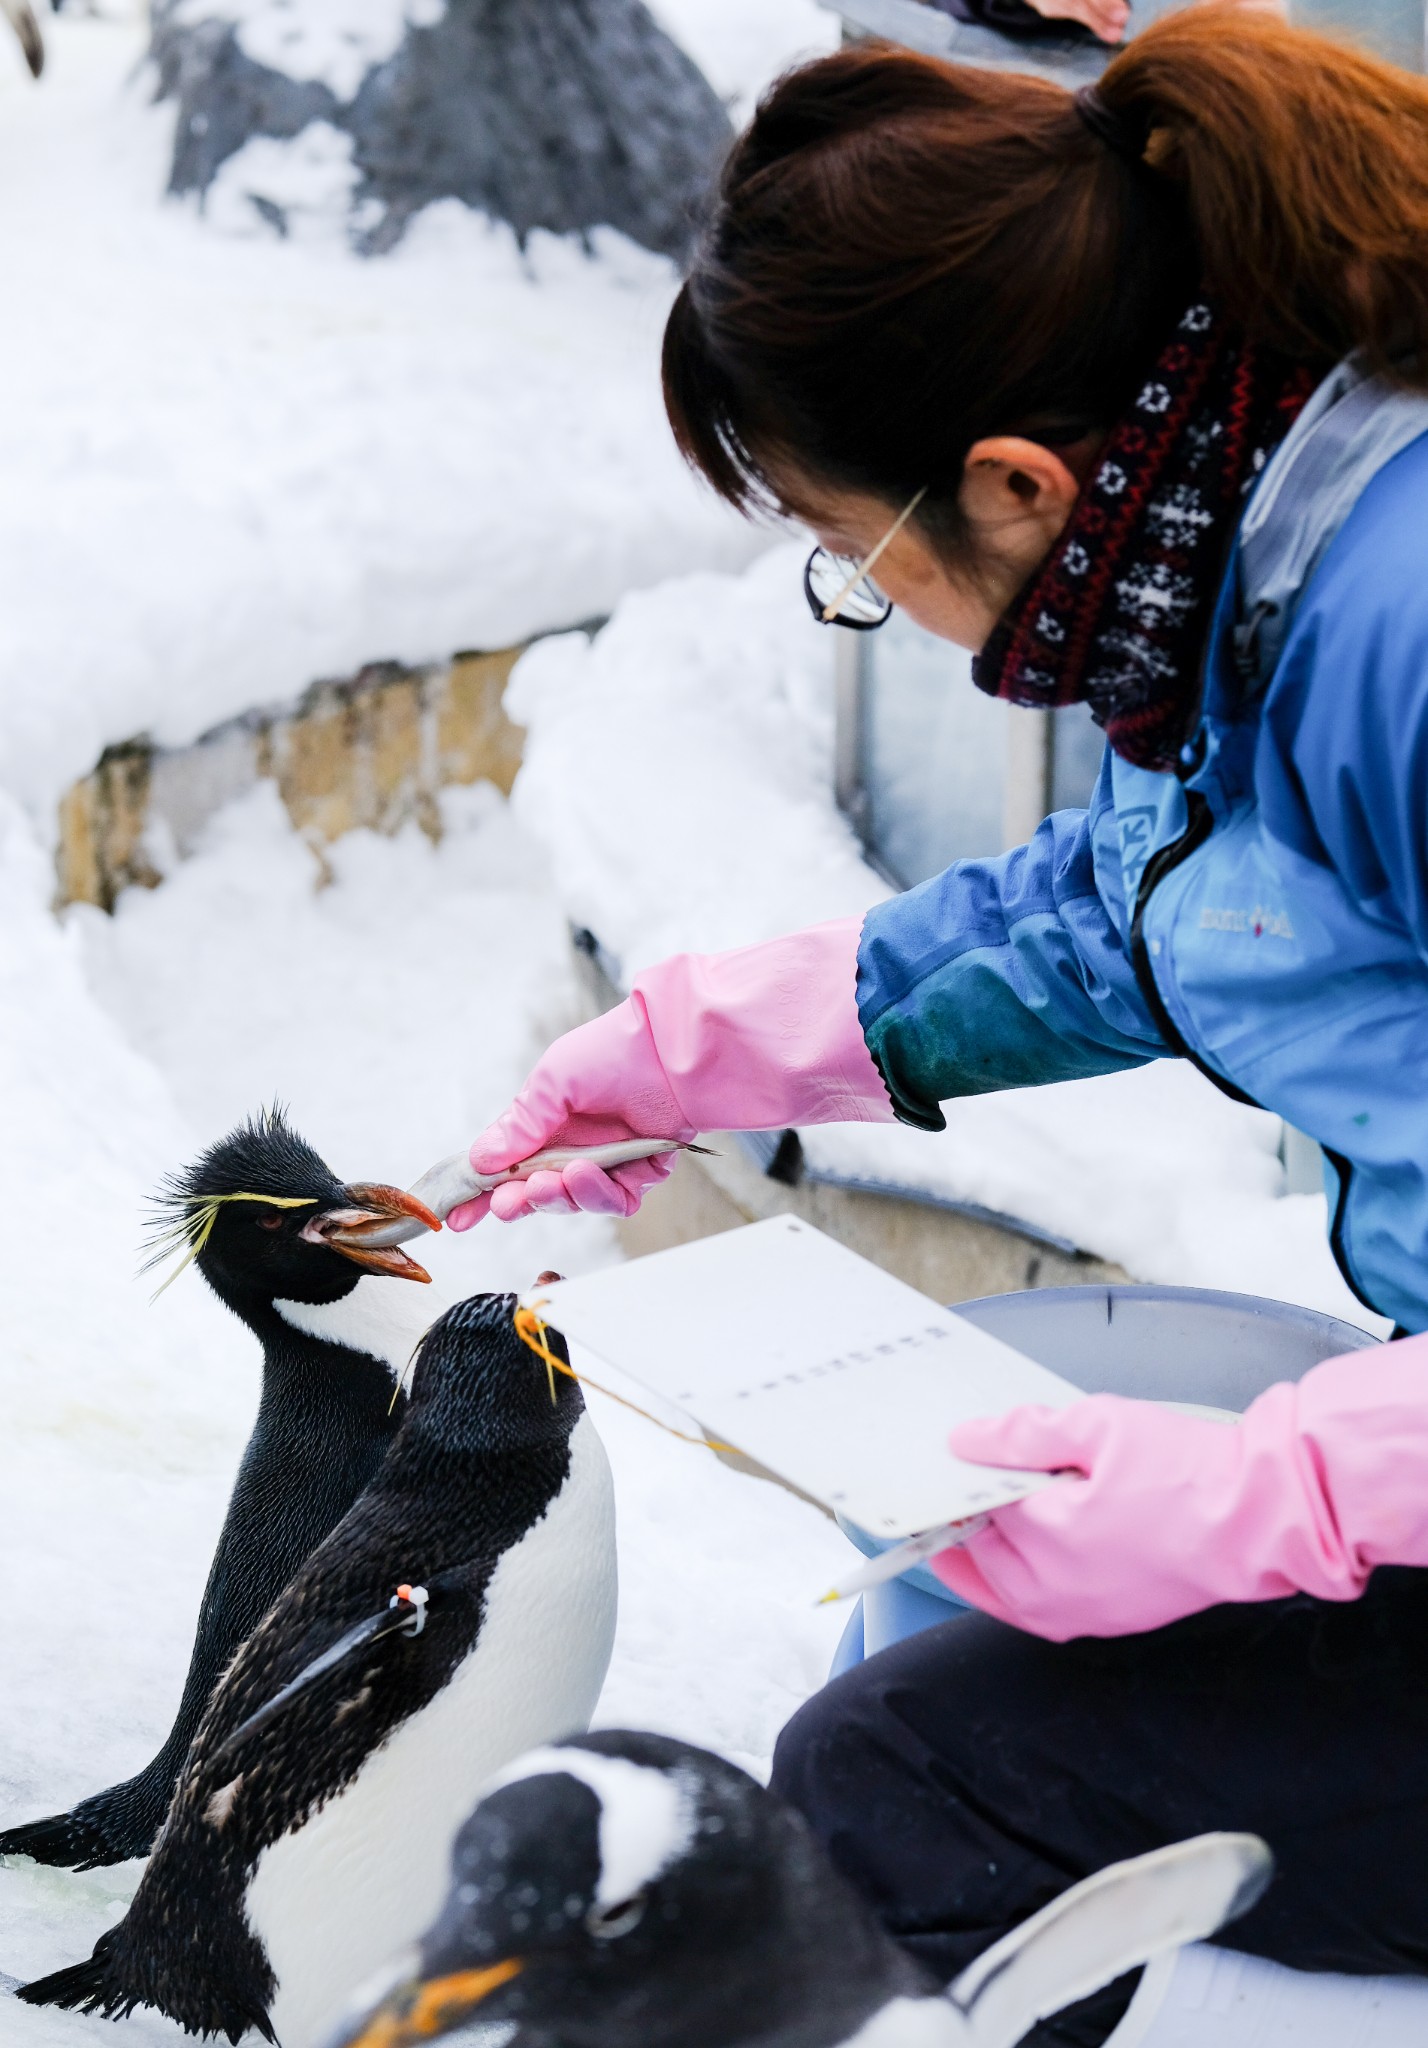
907,255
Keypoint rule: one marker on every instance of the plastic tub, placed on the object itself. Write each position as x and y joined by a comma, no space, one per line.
1161,1343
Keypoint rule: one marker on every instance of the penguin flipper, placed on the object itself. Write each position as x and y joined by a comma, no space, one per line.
1106,1925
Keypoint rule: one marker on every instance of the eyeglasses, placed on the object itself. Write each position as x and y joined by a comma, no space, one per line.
841,591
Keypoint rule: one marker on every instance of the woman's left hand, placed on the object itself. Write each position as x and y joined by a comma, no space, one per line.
1165,1513
1115,1547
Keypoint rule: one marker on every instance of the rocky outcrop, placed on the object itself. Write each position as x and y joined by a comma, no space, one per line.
566,115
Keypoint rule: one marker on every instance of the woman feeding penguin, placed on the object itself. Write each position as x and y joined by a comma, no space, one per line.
1127,392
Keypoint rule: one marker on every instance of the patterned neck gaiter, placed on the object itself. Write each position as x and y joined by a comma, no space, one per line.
1117,614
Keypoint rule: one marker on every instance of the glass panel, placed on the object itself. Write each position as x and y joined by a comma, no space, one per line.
1391,28
1077,744
934,754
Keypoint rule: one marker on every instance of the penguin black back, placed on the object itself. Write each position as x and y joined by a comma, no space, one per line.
482,1452
325,1419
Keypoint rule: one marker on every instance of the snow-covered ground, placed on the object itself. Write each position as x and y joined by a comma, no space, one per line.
230,464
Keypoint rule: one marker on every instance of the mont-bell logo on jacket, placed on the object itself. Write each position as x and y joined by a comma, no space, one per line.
1258,923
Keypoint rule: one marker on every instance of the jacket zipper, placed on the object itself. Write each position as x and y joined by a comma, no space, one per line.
1200,822
1337,1245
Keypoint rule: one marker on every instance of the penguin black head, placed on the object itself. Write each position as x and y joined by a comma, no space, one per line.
266,1219
626,1887
476,1381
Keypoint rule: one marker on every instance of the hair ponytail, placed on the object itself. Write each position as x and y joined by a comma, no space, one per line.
907,255
1304,169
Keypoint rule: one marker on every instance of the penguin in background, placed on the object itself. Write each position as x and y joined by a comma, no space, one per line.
279,1239
629,1891
462,1611
21,17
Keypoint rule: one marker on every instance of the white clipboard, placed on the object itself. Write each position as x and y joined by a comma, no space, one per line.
789,1347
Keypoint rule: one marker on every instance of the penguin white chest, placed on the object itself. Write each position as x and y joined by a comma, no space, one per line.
370,1870
382,1317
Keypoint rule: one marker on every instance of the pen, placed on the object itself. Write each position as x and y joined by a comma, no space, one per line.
888,1564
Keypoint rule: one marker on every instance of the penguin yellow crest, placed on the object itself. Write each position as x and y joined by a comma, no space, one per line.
532,1331
194,1228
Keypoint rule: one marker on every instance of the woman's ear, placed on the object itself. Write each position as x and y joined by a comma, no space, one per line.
1020,487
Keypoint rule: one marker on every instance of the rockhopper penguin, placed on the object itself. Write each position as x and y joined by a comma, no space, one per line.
629,1891
296,1853
336,1340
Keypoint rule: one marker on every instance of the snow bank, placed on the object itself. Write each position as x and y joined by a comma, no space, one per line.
679,766
678,771
394,1000
232,465
325,42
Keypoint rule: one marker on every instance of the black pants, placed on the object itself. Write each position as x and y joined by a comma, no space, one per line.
968,1775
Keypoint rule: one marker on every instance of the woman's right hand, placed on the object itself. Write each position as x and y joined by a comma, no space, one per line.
751,1040
599,1084
1105,18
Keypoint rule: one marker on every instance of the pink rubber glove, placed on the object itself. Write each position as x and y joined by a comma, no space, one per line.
745,1041
1315,1485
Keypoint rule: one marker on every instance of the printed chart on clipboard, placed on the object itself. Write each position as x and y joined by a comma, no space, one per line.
836,1376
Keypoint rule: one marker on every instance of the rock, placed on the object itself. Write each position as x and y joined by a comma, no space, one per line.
559,114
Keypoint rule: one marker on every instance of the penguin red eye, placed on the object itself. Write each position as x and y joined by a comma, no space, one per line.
270,1223
608,1923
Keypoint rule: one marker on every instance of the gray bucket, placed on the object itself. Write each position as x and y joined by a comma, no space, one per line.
1158,1343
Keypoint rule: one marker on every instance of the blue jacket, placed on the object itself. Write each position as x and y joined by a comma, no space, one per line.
1263,913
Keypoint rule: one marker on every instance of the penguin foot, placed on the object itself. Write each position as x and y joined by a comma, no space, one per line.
80,1985
96,1986
72,1841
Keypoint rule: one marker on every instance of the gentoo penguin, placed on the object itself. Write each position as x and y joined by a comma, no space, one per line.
629,1891
299,1847
336,1340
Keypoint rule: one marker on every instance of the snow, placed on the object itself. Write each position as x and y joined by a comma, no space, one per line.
310,179
330,42
232,464
741,45
709,700
705,706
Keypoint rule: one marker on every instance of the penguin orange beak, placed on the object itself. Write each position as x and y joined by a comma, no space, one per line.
417,2011
373,1209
